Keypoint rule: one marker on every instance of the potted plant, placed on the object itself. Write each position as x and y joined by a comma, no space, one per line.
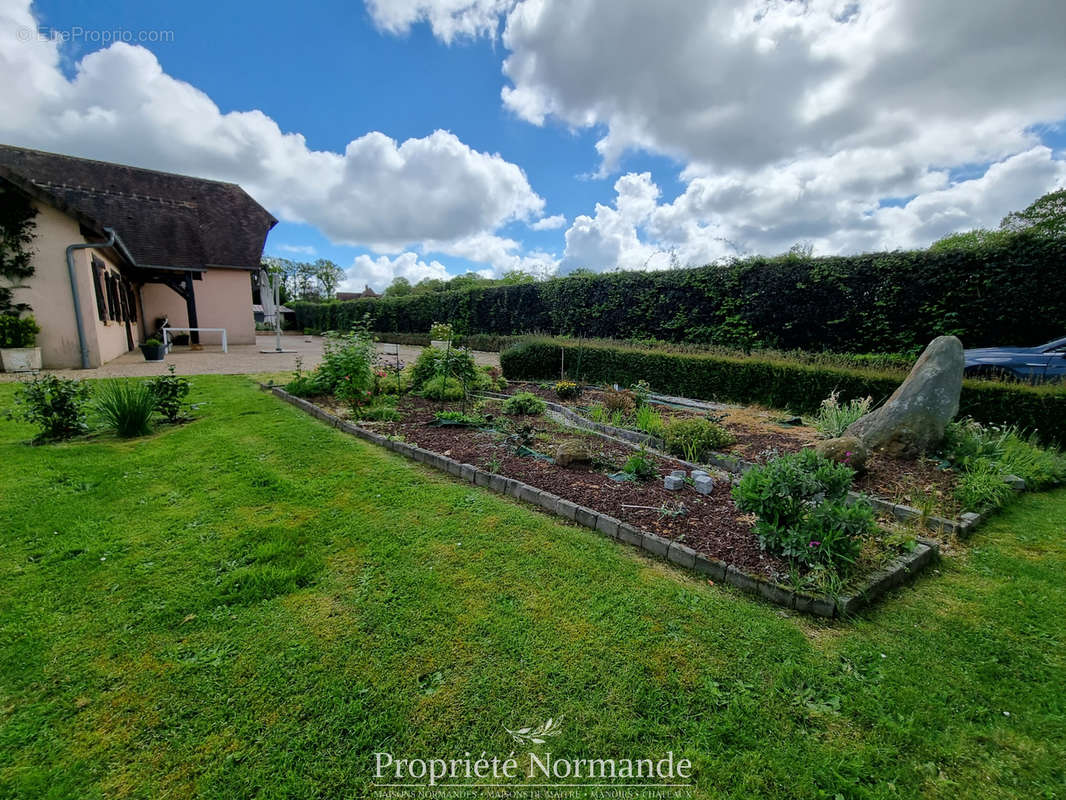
153,350
440,335
18,343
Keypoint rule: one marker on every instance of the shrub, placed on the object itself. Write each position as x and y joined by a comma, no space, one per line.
834,417
452,362
170,392
694,438
777,382
458,418
18,331
489,379
567,390
523,403
126,407
347,365
799,503
56,405
641,466
619,400
981,450
152,343
443,389
379,412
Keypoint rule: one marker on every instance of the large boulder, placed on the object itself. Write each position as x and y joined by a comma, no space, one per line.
572,452
845,450
913,420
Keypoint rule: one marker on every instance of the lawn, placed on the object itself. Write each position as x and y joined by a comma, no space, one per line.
253,604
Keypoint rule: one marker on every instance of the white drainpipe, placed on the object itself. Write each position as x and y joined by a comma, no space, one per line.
83,344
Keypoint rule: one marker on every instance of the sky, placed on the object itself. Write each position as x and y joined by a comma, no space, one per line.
425,138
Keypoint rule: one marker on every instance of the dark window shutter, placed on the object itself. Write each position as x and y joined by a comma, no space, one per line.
131,303
101,304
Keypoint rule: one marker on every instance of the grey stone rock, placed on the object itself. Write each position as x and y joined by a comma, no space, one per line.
913,419
549,502
572,452
704,484
482,478
1014,482
677,473
528,494
699,473
467,472
845,450
673,483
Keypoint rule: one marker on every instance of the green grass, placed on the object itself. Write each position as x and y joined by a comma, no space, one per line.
252,604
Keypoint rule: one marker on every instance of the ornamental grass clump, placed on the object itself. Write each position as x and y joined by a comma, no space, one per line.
126,407
834,417
695,438
799,501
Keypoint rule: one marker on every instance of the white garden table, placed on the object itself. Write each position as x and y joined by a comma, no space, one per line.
168,328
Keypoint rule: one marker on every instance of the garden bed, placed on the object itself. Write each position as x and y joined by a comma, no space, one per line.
919,488
707,533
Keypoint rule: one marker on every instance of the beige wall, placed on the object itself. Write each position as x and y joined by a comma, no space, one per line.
223,300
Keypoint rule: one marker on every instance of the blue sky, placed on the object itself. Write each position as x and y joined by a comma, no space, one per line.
698,141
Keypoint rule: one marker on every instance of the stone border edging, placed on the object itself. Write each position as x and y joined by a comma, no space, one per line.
962,527
892,575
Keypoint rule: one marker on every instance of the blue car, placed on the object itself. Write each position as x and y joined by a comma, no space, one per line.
1045,362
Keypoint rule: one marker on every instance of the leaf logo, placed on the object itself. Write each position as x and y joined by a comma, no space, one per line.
535,735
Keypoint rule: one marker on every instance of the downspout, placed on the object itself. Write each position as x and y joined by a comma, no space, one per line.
82,343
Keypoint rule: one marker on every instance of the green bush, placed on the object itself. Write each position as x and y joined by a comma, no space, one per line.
56,405
347,366
1006,290
776,382
126,407
799,503
648,420
694,438
641,466
441,332
523,403
18,331
443,389
453,362
170,392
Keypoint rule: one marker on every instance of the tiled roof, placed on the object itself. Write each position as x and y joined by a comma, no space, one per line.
165,220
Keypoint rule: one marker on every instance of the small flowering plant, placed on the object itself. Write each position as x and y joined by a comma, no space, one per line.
799,501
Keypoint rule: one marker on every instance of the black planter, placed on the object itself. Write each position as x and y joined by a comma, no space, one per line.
153,352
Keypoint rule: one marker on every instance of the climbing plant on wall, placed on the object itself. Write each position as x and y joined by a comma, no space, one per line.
16,235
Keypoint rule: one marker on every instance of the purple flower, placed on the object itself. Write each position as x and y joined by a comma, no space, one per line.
814,544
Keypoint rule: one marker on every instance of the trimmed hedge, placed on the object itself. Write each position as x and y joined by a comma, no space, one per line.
478,341
1009,291
773,382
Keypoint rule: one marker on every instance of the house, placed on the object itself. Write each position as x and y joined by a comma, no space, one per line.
367,293
117,249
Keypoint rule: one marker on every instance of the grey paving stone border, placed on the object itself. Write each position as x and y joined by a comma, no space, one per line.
875,585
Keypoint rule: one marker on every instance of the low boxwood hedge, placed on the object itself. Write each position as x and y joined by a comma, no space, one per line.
773,382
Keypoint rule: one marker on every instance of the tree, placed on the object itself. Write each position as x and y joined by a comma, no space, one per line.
400,287
1045,215
516,277
427,285
328,275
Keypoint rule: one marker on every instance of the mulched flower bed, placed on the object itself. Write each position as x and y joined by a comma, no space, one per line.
711,523
761,433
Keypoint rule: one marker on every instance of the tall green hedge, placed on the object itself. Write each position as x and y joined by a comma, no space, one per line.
1008,292
773,382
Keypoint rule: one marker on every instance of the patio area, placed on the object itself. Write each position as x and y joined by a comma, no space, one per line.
241,359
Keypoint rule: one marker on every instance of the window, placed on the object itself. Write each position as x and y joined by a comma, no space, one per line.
98,285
